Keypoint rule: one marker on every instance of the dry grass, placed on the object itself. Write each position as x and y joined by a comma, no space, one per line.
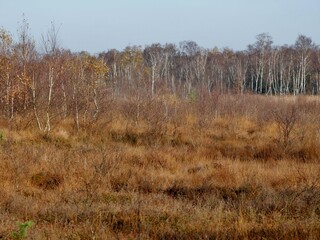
173,171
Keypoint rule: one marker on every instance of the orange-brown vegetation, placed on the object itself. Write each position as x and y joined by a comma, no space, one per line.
225,167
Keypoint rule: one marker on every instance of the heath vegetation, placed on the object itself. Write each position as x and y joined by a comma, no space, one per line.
159,143
234,168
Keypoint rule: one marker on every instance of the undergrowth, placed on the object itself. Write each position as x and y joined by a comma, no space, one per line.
245,172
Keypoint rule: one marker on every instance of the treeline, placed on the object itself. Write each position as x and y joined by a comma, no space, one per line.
262,68
55,83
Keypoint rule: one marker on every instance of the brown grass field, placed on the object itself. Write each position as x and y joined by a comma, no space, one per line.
226,167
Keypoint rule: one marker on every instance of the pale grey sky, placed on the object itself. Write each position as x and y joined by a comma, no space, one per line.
99,25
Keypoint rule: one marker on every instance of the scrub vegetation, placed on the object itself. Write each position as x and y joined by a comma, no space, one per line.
227,167
159,143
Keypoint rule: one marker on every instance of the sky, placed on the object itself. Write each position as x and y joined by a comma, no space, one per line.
100,25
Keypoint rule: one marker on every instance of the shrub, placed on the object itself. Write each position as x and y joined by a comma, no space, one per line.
21,233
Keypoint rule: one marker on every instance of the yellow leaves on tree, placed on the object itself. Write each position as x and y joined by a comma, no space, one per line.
95,68
5,42
15,85
131,55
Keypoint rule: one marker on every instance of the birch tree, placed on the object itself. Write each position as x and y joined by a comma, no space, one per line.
6,68
153,56
303,46
24,56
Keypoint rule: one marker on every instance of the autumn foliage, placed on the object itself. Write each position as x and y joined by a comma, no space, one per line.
161,142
